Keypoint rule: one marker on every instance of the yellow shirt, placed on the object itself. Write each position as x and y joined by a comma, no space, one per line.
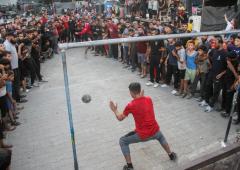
189,27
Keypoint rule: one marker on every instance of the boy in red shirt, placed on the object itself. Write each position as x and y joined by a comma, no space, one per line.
147,128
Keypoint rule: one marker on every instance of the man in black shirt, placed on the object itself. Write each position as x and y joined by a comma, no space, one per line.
154,59
97,35
228,84
216,74
72,25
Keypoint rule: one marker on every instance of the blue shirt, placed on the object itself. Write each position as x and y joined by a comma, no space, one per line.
172,60
237,51
191,60
9,87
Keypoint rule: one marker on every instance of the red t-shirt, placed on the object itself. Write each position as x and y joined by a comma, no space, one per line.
141,47
144,117
113,31
66,24
44,20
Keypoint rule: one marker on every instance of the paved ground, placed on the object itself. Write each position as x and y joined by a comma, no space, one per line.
43,140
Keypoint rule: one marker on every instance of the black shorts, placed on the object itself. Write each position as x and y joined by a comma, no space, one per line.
3,105
182,74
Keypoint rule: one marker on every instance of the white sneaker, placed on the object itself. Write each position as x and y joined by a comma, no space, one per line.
149,83
203,103
156,85
208,109
173,92
164,85
26,91
235,116
35,84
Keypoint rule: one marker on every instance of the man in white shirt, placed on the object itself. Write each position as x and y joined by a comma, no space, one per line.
155,7
150,7
9,44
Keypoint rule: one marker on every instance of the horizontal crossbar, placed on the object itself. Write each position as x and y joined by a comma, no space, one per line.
142,38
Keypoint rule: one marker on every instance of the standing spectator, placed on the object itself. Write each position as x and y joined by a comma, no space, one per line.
230,24
11,103
132,51
203,66
154,60
155,8
215,78
72,25
229,81
55,38
44,19
126,45
141,52
180,53
150,8
172,66
237,85
9,44
205,42
173,11
113,33
190,74
143,8
66,32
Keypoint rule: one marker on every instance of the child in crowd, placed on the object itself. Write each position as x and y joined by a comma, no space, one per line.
181,55
11,103
203,66
191,67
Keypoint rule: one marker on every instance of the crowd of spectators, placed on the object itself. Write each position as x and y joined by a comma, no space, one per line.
183,64
24,45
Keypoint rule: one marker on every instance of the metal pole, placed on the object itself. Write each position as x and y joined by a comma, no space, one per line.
143,38
234,102
69,107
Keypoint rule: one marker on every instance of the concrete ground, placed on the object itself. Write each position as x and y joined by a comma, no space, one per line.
43,142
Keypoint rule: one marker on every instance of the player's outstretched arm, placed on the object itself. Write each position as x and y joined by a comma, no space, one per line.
113,107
